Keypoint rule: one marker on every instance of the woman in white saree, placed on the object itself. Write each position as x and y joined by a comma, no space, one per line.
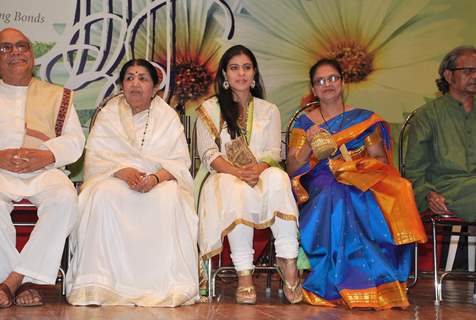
135,243
234,198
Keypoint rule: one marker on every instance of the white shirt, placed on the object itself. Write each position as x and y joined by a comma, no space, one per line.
66,148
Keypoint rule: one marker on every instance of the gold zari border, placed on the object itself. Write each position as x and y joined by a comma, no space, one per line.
301,193
264,225
315,300
356,154
298,138
385,296
203,115
374,138
97,295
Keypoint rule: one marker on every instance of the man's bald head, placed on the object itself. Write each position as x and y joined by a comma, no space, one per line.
8,31
16,57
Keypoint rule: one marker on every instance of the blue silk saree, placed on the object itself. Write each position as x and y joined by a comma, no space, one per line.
357,219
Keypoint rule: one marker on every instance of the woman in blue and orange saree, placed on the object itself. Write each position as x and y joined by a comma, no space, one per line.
358,217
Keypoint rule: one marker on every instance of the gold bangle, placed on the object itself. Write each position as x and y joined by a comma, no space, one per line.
300,152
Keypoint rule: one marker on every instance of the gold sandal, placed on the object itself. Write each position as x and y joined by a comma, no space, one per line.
245,295
294,292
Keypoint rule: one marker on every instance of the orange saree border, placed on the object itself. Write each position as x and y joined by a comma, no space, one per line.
385,296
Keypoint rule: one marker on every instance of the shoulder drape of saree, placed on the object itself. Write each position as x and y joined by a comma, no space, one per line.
393,194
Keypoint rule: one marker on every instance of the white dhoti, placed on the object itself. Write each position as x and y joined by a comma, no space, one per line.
55,197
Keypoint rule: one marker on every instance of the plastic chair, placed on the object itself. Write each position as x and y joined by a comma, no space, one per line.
440,223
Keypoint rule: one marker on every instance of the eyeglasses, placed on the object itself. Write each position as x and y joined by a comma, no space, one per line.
7,47
466,70
324,81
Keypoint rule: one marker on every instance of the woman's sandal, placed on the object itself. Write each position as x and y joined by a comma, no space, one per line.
8,293
245,295
28,286
293,293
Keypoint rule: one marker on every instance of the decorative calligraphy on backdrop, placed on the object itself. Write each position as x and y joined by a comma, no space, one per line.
390,49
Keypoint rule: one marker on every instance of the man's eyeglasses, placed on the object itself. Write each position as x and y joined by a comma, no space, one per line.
7,47
465,70
324,81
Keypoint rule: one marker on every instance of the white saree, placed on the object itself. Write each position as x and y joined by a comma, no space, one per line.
134,248
224,200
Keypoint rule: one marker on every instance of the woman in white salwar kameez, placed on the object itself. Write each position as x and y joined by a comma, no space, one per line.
234,199
135,243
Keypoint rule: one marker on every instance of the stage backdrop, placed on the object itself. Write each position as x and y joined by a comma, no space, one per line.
390,50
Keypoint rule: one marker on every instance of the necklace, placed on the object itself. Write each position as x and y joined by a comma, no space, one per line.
325,121
243,117
145,129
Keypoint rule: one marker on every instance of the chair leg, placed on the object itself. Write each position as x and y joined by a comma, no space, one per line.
454,240
271,263
435,263
65,262
415,267
63,281
211,286
471,249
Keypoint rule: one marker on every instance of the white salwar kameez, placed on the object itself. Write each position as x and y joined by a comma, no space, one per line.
133,248
49,189
229,206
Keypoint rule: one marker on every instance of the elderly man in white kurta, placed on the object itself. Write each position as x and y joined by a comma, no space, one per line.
39,134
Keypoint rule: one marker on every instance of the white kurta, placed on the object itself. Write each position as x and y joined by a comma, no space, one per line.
49,189
134,248
225,200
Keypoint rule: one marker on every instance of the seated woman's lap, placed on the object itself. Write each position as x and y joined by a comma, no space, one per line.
115,193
